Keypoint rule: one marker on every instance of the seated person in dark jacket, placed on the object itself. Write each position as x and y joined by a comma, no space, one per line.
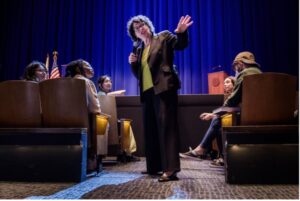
244,64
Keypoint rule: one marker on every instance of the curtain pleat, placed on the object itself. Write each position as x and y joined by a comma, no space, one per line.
95,30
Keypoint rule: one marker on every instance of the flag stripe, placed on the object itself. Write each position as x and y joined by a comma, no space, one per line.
54,73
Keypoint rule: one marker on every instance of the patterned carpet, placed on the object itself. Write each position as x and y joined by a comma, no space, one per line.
124,181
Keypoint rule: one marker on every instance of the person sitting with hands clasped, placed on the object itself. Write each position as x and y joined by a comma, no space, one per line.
213,132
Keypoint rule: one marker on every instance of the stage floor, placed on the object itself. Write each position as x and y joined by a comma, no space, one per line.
124,181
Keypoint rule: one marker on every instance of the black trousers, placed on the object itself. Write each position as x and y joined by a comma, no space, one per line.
161,131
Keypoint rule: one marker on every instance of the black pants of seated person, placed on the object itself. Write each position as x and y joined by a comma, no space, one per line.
161,131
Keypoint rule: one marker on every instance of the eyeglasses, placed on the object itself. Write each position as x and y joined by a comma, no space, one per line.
41,70
137,28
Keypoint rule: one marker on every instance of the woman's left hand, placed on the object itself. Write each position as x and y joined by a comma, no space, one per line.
183,24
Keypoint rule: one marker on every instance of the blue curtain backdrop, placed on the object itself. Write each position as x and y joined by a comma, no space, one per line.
95,30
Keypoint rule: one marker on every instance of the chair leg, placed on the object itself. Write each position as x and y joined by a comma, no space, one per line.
99,166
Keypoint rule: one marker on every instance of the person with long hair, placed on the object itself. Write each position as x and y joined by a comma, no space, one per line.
214,130
104,84
35,71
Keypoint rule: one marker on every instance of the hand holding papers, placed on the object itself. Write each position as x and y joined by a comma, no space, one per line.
117,93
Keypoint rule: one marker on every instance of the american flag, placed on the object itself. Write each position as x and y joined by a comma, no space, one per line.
55,71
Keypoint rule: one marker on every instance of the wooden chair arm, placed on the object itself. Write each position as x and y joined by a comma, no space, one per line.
105,115
223,110
230,119
124,119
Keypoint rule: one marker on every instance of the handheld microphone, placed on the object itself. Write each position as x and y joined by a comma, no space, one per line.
136,49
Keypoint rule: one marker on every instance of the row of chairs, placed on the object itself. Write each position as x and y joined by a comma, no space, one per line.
43,114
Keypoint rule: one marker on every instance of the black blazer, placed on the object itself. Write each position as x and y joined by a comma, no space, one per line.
160,60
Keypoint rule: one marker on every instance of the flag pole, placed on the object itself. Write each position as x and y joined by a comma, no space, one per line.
55,53
47,66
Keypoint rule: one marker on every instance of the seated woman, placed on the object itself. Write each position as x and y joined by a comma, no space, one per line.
214,128
105,86
35,71
80,69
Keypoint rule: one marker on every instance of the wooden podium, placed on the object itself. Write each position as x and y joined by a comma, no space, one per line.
216,82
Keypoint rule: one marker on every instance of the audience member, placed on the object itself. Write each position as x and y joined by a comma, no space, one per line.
105,86
35,71
213,131
80,69
244,64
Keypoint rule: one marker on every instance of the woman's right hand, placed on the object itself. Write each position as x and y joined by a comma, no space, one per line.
207,116
132,58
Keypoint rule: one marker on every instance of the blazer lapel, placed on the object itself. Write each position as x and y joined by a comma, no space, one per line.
153,44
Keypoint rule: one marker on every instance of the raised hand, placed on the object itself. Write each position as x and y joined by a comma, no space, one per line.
183,24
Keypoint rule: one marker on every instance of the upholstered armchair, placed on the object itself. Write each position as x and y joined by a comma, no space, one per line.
261,136
120,135
64,105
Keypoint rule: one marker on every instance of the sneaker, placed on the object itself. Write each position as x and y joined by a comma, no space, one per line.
217,163
190,154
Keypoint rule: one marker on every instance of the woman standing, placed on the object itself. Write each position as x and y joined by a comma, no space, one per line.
152,64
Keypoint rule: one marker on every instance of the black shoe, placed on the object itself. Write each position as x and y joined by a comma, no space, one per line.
152,173
172,177
132,158
121,158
